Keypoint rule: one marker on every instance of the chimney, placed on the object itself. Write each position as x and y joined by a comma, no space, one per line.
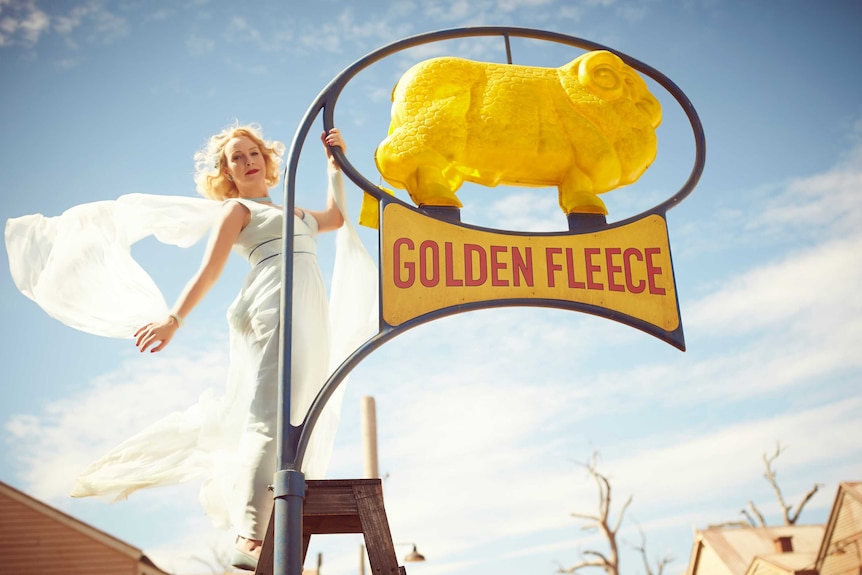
783,544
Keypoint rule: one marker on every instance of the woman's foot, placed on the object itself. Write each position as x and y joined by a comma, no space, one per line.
246,553
251,546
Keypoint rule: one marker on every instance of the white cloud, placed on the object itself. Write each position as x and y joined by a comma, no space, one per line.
239,26
21,22
514,5
450,10
159,14
486,482
826,205
361,34
813,285
54,446
25,24
94,21
728,459
535,211
200,45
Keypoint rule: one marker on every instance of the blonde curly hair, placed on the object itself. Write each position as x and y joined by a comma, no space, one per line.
210,179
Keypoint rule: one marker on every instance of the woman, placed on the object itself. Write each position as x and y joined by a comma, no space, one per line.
231,441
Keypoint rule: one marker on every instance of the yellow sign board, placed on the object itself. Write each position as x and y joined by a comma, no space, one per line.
430,265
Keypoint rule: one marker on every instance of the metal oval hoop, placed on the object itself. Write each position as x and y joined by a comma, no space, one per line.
330,94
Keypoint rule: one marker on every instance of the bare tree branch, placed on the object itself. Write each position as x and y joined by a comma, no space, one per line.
609,562
748,517
769,474
599,561
660,564
645,559
579,566
789,517
601,557
757,514
622,512
805,500
753,515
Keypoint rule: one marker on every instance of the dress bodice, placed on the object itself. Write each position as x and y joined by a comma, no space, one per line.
260,240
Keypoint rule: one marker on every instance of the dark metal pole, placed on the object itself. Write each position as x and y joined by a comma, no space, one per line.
289,488
289,481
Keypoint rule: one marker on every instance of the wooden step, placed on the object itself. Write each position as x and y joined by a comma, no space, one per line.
343,506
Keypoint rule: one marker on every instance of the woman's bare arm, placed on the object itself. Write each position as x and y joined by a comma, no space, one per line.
234,218
331,217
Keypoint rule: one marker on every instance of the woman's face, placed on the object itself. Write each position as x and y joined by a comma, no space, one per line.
245,163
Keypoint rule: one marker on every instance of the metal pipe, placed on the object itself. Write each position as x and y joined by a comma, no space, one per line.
368,424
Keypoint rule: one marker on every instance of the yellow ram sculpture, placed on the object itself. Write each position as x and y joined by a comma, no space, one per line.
587,127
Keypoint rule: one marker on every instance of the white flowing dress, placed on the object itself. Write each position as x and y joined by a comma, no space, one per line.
78,267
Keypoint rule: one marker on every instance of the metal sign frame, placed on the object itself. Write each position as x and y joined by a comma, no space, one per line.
289,481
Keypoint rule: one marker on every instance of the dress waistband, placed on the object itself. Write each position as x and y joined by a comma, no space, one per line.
302,244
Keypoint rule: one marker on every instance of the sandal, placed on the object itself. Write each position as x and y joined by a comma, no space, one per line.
242,560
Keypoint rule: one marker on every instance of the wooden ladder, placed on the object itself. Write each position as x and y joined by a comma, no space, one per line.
343,506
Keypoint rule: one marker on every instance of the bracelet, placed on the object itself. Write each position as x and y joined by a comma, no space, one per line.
177,318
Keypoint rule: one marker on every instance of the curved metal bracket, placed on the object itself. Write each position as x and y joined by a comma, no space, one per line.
293,441
326,102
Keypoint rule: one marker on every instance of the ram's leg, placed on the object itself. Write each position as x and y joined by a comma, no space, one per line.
577,196
435,184
583,208
436,193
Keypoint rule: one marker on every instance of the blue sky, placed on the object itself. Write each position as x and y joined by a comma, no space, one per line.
485,418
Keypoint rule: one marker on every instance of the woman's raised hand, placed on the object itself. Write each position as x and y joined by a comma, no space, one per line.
154,333
332,139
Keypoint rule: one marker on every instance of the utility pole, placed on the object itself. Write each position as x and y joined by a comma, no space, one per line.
368,425
368,422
